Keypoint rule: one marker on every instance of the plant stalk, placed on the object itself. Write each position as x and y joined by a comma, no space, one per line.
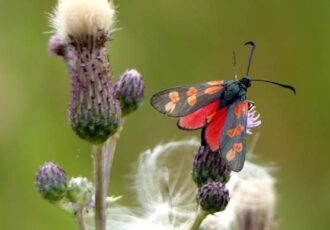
100,201
80,218
108,153
201,215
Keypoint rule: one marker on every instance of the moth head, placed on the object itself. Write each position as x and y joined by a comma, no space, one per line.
246,81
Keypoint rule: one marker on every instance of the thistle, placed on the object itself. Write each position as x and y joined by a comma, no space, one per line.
255,199
130,91
213,197
82,29
209,165
80,190
51,182
253,119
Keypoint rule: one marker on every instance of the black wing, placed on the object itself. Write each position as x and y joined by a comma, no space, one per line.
181,101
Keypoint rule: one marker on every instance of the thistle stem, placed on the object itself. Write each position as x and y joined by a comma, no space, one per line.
201,215
108,153
100,201
80,218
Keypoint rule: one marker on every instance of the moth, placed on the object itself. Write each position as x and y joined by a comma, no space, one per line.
219,108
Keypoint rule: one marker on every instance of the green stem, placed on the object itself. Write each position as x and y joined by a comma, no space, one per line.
100,201
201,215
80,218
108,154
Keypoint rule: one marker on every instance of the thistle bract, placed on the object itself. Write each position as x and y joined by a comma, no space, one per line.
80,190
213,197
83,28
130,91
94,111
56,46
51,182
209,165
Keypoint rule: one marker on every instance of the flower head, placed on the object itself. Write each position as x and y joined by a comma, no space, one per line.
82,29
209,165
167,195
164,190
253,119
51,182
130,91
80,190
213,197
255,199
75,18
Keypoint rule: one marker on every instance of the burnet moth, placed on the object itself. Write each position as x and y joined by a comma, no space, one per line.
219,108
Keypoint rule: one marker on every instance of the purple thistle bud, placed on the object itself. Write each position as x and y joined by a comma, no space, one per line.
94,110
130,91
209,165
51,182
213,197
253,119
56,46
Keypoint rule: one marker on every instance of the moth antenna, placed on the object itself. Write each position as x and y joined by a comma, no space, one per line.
234,65
253,46
290,87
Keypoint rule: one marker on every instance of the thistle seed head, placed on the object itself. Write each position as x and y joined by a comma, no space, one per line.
51,182
73,18
209,165
213,197
83,28
130,91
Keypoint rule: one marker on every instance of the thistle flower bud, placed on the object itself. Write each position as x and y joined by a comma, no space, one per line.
209,165
84,27
51,182
130,91
213,197
80,190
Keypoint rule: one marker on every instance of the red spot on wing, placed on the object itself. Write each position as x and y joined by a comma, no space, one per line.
192,91
238,147
198,118
237,109
219,82
241,107
235,131
192,100
215,127
245,107
231,154
174,96
213,89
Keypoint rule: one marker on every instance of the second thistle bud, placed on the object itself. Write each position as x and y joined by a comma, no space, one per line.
209,165
130,91
213,197
80,190
51,182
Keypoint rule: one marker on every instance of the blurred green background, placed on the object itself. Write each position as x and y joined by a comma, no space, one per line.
172,43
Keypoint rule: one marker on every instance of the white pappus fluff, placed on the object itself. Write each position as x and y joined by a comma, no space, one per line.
167,194
79,17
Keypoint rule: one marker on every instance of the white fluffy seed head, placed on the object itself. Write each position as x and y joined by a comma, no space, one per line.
81,17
